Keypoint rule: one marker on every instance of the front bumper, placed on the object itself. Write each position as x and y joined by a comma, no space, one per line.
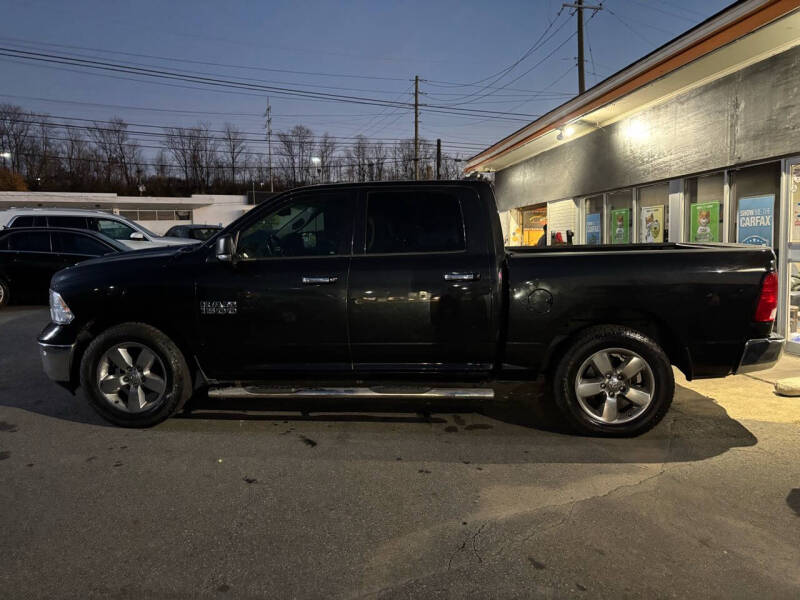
760,354
57,361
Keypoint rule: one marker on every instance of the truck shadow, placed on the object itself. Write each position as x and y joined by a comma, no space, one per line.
521,417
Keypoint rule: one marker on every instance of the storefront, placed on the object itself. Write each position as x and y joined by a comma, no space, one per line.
696,142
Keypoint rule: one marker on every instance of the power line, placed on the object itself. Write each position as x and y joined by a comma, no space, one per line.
291,92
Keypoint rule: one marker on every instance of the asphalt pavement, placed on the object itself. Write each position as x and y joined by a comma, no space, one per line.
249,501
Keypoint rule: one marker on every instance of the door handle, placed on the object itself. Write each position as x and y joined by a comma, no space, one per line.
462,276
319,280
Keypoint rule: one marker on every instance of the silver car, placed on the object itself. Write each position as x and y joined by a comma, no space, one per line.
128,232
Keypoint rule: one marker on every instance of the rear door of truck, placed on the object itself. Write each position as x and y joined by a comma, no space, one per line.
420,297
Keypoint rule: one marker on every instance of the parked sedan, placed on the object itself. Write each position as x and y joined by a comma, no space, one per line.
30,256
194,232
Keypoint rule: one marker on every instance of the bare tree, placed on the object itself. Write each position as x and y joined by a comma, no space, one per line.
233,149
119,154
297,146
326,151
15,133
194,150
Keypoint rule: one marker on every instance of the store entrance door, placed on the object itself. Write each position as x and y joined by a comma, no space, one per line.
534,220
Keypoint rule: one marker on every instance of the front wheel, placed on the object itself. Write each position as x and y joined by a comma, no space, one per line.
613,381
135,376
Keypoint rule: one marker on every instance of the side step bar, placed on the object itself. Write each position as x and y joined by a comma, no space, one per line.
302,393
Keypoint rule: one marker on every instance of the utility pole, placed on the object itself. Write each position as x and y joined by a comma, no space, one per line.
438,158
268,114
579,8
416,127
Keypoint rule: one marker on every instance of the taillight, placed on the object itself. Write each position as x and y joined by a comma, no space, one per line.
768,300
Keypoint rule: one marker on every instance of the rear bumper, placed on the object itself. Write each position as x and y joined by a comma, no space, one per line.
760,354
57,361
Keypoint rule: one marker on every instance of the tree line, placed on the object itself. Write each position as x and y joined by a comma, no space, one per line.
39,154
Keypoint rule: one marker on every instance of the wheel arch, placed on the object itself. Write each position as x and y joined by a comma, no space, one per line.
647,324
95,327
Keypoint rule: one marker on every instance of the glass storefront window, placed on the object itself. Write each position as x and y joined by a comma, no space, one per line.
654,213
594,220
704,214
794,204
794,303
620,216
755,200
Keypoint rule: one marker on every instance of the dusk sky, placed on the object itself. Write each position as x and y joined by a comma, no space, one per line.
365,49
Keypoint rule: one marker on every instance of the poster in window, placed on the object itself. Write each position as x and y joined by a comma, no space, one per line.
593,232
754,220
652,226
620,226
704,226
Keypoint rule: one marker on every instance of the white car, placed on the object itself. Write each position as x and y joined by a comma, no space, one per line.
130,233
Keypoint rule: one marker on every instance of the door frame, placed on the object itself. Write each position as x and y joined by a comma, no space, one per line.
788,252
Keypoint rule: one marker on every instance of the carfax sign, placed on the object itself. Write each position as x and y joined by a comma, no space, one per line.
754,220
593,231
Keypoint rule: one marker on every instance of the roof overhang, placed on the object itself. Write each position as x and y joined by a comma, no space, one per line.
747,32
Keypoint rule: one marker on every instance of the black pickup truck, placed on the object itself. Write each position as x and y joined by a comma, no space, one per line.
406,289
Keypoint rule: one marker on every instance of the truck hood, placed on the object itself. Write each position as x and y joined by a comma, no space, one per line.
119,267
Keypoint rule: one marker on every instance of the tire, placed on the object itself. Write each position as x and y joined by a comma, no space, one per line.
631,401
138,389
5,294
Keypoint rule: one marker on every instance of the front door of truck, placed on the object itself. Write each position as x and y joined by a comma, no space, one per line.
281,305
422,286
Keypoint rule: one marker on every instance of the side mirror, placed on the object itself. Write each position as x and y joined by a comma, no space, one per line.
136,235
225,249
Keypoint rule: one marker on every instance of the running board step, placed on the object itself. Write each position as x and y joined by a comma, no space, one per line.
301,393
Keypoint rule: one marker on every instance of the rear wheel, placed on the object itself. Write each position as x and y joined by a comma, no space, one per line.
5,294
135,376
613,381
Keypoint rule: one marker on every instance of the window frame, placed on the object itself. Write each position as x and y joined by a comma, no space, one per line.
457,193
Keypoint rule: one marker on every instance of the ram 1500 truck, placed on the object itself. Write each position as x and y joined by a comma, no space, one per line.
406,289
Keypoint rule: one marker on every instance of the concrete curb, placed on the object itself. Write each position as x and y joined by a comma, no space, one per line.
790,386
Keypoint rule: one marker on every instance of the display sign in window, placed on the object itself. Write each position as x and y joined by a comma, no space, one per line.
704,222
755,220
620,226
652,225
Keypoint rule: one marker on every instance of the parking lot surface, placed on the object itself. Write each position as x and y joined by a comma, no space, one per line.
246,500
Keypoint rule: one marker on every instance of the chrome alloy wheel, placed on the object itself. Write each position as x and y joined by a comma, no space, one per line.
614,386
131,377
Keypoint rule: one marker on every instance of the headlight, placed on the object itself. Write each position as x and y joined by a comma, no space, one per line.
59,311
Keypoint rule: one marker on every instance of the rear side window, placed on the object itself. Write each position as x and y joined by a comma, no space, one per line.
30,221
65,221
35,241
414,221
75,243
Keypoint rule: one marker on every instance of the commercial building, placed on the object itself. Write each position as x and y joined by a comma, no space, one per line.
695,142
156,213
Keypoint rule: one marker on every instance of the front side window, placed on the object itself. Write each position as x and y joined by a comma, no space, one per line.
412,221
38,241
111,228
75,243
308,225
